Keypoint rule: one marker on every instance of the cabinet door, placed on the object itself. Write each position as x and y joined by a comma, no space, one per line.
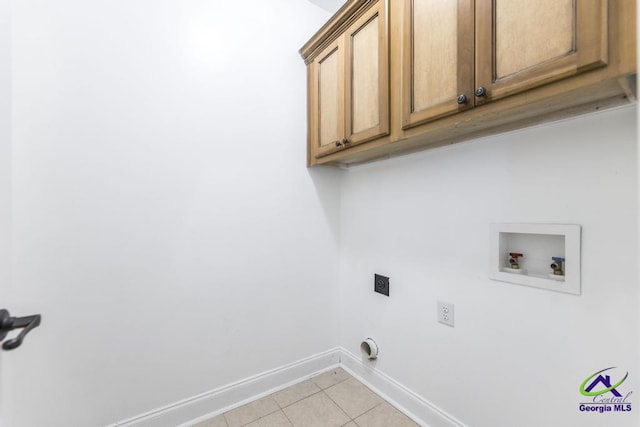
521,44
437,59
367,77
327,90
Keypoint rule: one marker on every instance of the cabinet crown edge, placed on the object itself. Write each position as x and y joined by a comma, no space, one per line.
350,11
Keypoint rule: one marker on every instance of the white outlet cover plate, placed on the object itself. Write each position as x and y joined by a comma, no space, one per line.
446,313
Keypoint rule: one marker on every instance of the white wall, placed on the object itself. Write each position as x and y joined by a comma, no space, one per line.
165,224
5,146
5,184
517,355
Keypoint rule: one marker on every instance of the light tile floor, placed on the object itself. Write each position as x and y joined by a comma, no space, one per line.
333,398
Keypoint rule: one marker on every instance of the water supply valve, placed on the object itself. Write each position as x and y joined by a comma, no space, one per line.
513,260
557,265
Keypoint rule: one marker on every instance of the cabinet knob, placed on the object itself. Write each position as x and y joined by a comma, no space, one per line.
345,141
338,143
481,91
462,99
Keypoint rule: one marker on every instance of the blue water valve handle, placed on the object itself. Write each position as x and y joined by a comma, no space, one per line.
557,259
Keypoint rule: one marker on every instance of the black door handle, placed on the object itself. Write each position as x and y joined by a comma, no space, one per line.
8,323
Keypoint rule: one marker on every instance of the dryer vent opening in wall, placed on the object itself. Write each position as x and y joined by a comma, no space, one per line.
369,348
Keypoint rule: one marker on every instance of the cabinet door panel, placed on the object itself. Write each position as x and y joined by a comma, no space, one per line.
437,55
367,77
522,44
329,104
545,35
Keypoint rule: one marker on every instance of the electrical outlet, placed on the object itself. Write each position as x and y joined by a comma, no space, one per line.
446,313
381,284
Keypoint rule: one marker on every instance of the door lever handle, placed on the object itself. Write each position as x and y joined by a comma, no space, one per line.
8,323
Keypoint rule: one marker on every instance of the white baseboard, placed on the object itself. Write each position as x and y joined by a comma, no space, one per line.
215,402
207,405
410,403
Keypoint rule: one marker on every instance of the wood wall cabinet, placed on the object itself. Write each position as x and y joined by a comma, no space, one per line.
461,69
437,59
521,44
349,84
454,58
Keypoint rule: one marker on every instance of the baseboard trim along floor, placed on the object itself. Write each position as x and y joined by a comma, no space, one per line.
405,400
236,394
207,405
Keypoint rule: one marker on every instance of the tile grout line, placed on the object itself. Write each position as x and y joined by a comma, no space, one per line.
320,390
375,406
336,403
281,408
287,417
300,400
311,380
259,418
369,410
